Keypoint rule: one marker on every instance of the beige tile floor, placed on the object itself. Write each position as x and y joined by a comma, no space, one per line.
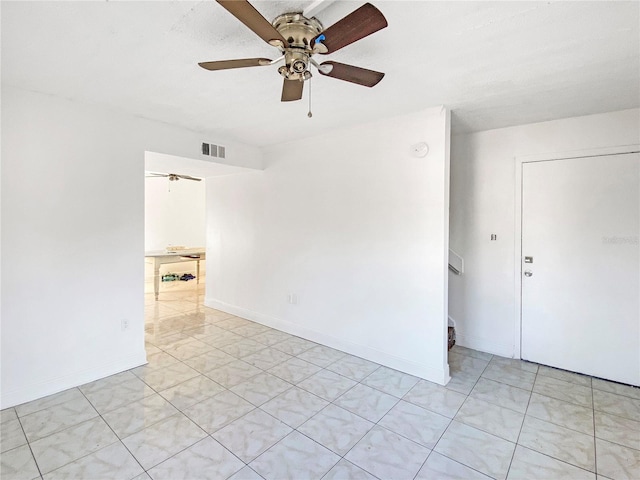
223,397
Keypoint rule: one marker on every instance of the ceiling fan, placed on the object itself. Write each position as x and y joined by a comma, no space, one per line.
173,177
299,38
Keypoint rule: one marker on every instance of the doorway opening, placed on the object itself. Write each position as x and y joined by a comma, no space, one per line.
175,227
176,237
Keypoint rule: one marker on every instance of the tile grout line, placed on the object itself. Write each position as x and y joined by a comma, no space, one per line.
399,399
546,396
259,407
438,441
207,434
110,428
156,392
332,402
76,425
453,418
524,417
595,443
28,444
178,410
360,382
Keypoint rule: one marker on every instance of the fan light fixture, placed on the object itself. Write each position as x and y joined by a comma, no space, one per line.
299,38
173,177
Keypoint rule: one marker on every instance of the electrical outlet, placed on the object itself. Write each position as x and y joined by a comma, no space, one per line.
124,324
293,299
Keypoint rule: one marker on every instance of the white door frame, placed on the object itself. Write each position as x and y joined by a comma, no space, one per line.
519,162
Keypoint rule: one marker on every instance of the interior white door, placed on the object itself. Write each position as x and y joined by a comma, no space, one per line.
580,293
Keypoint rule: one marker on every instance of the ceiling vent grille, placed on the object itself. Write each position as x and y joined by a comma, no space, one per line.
213,150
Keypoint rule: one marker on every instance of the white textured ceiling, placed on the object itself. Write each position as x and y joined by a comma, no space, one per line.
494,64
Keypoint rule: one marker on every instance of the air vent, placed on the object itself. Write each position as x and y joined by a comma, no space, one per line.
213,150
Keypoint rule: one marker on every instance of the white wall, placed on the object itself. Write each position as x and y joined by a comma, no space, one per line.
353,225
482,301
174,213
73,239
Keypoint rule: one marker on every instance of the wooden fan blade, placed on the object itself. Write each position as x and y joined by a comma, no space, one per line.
239,63
349,73
247,14
358,24
291,90
187,177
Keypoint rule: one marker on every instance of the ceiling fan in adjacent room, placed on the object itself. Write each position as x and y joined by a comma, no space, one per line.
298,38
173,177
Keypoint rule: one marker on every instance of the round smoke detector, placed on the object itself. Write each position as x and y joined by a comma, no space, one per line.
420,150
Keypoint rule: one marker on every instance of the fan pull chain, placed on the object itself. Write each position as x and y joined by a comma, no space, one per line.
309,114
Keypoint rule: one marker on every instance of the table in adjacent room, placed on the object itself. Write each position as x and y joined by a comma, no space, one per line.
161,257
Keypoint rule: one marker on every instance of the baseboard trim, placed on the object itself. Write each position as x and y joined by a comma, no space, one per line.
33,391
483,344
427,372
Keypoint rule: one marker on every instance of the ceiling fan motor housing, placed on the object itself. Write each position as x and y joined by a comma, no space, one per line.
298,38
298,31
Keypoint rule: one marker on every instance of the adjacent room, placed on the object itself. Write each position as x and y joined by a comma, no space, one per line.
320,239
174,224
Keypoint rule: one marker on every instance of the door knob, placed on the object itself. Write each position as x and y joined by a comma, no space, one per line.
528,273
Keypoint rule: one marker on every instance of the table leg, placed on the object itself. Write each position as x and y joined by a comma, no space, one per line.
156,277
198,272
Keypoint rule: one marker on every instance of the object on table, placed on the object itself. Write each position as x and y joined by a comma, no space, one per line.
159,258
170,277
